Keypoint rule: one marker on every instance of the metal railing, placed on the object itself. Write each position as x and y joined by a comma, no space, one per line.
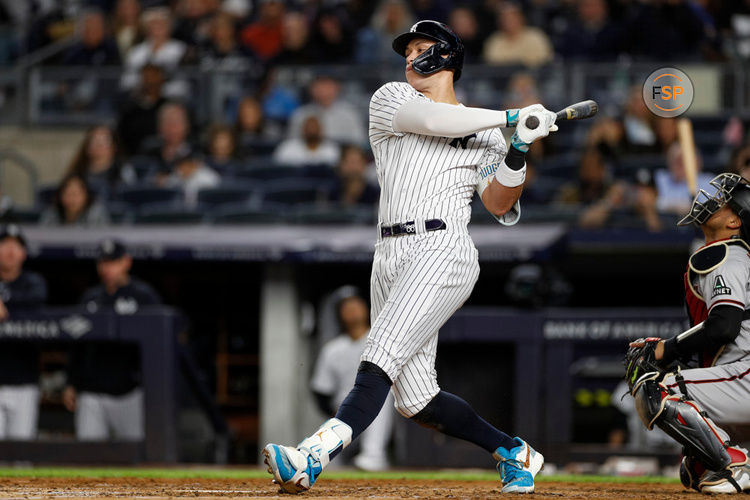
63,95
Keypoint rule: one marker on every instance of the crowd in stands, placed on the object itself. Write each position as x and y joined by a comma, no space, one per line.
154,156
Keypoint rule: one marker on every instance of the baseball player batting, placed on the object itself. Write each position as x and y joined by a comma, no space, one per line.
431,154
688,404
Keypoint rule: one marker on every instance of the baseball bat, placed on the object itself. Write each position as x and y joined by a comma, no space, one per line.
577,111
689,158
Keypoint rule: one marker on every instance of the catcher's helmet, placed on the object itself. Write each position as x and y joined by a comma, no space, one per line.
732,190
433,60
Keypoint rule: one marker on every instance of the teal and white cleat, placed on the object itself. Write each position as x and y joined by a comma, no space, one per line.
518,466
293,470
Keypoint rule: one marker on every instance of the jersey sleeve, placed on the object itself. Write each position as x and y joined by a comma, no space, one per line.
384,104
728,283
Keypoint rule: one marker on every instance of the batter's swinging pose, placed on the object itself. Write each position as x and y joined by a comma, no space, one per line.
431,154
688,404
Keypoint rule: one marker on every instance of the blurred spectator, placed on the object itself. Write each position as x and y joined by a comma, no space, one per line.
173,137
740,162
221,50
674,197
666,133
514,42
310,149
194,19
138,112
522,91
601,198
335,369
75,205
533,193
352,187
264,36
295,47
391,18
158,48
125,25
95,47
97,161
464,22
608,136
251,128
221,149
331,41
104,378
592,35
341,121
638,124
20,290
191,175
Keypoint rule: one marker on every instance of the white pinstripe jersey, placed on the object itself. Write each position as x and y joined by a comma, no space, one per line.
426,177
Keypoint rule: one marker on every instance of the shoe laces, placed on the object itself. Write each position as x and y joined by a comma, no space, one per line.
509,469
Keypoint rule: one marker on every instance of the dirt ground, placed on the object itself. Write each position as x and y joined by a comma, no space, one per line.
60,488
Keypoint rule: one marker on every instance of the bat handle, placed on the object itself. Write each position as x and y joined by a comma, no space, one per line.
532,122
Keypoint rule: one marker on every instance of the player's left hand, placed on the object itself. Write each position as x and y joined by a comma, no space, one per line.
641,358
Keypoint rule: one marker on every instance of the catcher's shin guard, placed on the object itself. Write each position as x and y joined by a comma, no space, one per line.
681,419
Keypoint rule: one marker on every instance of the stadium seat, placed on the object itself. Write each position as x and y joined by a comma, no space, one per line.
143,165
266,171
45,195
294,191
226,193
167,213
136,196
564,165
335,214
249,213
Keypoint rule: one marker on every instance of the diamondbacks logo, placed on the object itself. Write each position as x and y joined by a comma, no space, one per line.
720,287
463,141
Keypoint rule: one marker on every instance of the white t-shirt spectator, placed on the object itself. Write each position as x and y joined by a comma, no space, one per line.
295,152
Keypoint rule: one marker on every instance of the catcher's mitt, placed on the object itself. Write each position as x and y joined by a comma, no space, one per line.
640,359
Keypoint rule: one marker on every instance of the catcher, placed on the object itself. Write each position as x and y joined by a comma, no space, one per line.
689,404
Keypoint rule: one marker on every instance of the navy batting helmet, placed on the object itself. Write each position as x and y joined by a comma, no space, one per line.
447,53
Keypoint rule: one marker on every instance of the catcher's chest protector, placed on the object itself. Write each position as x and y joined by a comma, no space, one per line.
702,262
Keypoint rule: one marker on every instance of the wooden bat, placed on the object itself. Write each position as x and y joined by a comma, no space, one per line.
689,158
577,111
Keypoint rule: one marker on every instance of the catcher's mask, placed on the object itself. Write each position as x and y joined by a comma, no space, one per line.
732,190
447,53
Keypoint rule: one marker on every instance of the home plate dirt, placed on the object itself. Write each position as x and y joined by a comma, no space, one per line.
60,488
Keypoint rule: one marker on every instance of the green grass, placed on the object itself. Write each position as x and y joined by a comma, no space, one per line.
254,473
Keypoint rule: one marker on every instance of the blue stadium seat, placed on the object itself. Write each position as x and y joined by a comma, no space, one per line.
143,165
294,191
334,214
227,193
564,165
266,172
167,213
141,195
249,213
45,195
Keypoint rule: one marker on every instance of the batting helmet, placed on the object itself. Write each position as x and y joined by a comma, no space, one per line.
732,190
447,53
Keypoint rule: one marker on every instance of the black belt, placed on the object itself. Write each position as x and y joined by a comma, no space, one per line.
410,227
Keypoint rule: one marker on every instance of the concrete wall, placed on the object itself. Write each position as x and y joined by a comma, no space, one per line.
50,149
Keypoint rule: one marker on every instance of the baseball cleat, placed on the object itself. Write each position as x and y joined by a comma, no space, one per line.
293,470
732,480
518,466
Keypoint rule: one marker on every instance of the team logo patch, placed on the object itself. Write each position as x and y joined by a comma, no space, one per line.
463,141
720,287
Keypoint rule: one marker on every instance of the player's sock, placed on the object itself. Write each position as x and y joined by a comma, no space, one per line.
365,399
451,415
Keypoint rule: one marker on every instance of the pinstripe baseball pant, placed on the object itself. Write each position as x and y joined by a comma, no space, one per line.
418,281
